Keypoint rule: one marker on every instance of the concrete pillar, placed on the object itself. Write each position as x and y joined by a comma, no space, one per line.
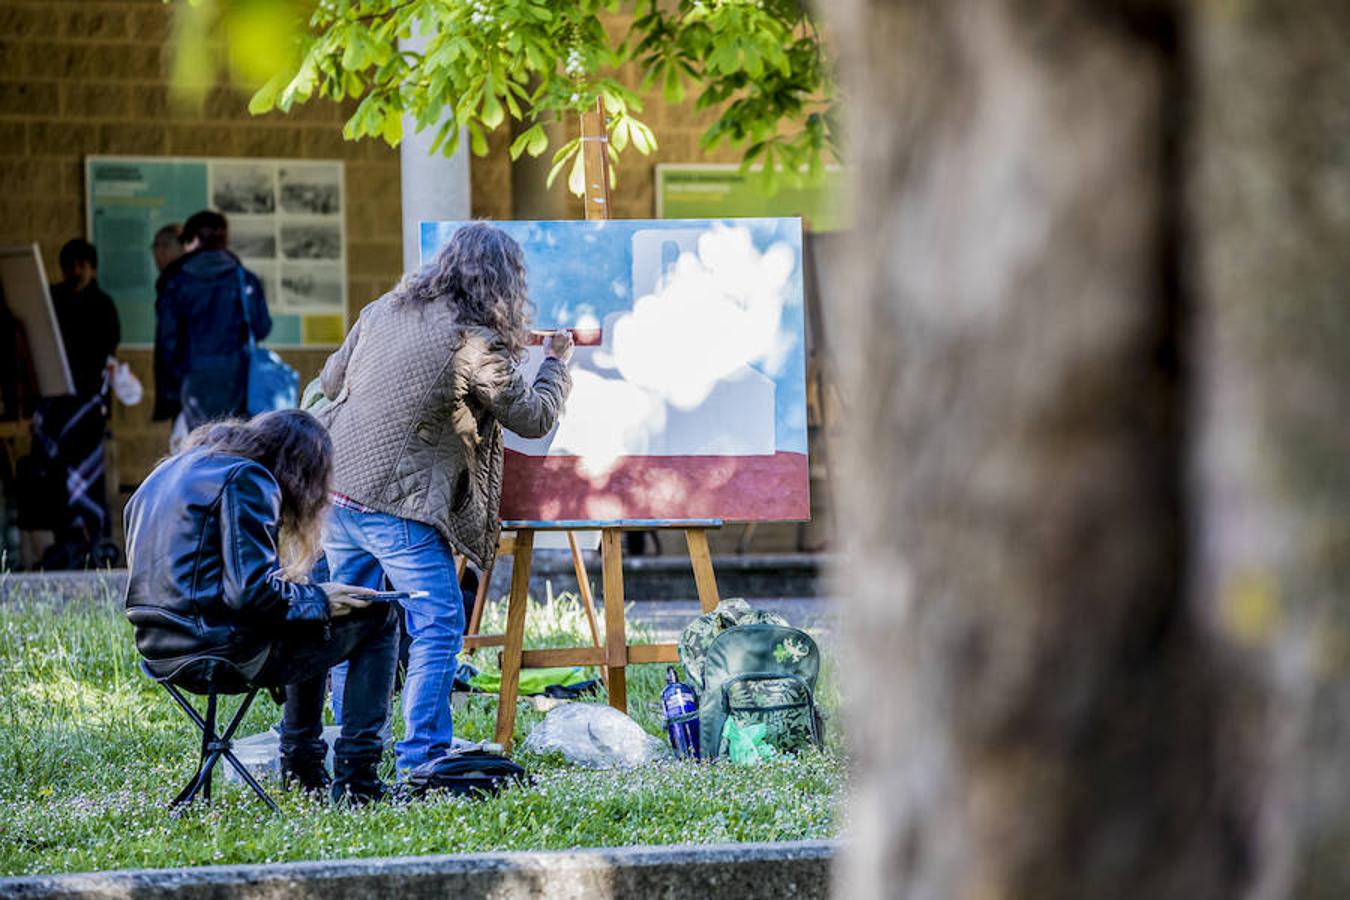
434,186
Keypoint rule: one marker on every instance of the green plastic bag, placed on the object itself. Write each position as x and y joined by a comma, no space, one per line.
748,745
532,681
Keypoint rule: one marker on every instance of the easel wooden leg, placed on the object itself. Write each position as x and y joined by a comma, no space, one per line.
479,601
515,637
587,598
704,577
611,560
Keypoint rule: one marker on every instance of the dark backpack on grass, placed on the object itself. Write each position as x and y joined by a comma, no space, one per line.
466,773
753,668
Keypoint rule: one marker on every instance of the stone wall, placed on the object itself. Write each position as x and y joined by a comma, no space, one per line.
81,78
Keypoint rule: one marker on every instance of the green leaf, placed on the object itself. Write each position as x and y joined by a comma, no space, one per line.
477,140
754,63
492,110
642,136
527,139
560,159
392,130
265,99
673,86
576,180
539,143
301,86
449,129
566,150
618,135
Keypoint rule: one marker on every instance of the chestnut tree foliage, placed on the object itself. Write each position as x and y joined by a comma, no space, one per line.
480,65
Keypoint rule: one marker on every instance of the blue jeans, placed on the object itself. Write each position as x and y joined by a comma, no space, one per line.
363,549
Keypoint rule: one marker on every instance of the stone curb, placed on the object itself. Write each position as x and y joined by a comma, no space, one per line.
742,871
60,588
657,578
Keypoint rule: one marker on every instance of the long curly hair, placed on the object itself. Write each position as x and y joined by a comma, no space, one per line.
481,274
296,449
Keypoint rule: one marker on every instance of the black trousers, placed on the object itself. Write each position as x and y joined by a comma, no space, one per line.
367,639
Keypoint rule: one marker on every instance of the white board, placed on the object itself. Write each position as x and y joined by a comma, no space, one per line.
25,285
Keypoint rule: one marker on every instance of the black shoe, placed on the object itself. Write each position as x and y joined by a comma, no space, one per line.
306,772
357,783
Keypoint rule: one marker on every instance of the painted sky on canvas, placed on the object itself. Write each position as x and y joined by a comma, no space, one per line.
685,303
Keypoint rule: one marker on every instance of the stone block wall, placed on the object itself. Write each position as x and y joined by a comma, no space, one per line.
81,77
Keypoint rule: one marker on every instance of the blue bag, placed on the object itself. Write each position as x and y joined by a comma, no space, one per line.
271,383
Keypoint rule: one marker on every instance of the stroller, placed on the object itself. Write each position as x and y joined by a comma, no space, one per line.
61,484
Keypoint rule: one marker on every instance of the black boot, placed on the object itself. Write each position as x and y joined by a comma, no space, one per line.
305,772
357,782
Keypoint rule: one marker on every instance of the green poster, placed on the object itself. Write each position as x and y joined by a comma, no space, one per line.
129,200
712,191
287,225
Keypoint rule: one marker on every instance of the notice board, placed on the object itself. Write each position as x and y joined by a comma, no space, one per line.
286,224
712,190
688,384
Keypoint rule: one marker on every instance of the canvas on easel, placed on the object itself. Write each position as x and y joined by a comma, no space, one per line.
688,397
687,410
24,282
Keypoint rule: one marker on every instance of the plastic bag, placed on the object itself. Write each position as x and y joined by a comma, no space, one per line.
126,386
747,746
595,736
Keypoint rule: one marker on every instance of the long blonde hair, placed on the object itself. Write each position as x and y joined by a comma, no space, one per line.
296,449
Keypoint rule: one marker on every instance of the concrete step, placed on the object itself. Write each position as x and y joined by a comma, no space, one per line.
769,575
753,576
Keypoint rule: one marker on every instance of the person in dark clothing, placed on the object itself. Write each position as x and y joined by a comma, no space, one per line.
65,477
201,359
167,245
90,329
217,539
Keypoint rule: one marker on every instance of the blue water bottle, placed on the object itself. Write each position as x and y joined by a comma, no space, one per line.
681,707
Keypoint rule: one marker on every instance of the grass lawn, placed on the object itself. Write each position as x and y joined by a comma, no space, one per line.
90,753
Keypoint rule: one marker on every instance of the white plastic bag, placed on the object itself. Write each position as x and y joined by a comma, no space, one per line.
595,736
126,386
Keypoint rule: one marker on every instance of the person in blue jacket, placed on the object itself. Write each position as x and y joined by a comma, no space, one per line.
206,301
218,540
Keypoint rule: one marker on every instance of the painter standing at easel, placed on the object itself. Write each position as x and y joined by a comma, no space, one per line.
422,387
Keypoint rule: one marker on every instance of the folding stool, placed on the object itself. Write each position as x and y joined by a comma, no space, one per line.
218,677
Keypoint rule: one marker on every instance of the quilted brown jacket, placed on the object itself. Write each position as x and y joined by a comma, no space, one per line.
419,402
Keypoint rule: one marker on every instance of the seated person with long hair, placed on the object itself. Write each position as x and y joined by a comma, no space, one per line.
216,537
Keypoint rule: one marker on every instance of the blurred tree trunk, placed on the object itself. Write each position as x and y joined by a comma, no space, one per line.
1271,205
1098,483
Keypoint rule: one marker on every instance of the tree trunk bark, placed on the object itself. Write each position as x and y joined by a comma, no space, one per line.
1271,201
1051,696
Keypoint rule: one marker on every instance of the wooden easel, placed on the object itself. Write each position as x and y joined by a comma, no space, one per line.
615,653
506,546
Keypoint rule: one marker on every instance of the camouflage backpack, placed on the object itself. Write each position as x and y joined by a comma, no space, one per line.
752,668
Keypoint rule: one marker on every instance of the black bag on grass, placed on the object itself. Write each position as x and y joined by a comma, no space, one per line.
466,773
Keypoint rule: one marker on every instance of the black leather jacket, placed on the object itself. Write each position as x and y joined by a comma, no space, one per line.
201,550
